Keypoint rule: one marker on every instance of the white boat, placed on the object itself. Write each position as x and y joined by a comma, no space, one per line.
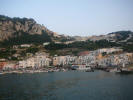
81,67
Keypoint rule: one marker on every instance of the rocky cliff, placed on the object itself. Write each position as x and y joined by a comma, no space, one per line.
12,28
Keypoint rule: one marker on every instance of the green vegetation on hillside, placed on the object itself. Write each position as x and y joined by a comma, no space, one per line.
122,35
32,50
15,19
26,38
88,45
5,53
128,47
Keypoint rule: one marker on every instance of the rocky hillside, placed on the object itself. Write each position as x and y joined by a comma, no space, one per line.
23,30
119,36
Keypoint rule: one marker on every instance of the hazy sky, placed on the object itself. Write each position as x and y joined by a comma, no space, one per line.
74,17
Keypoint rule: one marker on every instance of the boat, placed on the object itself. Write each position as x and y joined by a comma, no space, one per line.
125,71
82,67
89,70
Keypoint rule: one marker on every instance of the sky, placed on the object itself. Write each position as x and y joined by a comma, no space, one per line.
74,17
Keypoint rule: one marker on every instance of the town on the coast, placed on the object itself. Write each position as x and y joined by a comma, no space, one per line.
108,59
28,47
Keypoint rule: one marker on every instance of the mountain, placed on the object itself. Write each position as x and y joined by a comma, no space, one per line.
27,30
23,30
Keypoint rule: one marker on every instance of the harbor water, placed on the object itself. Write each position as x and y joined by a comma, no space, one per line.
70,85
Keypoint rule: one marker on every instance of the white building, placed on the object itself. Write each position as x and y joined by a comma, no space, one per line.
46,43
25,45
109,50
39,60
9,65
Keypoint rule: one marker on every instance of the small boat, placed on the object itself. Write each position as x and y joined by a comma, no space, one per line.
50,71
89,70
126,72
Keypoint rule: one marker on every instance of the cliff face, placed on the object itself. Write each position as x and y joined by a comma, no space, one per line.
13,27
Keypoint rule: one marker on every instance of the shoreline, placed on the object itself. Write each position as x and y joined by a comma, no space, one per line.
46,70
49,70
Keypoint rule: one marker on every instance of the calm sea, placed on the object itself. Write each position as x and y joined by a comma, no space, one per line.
71,85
